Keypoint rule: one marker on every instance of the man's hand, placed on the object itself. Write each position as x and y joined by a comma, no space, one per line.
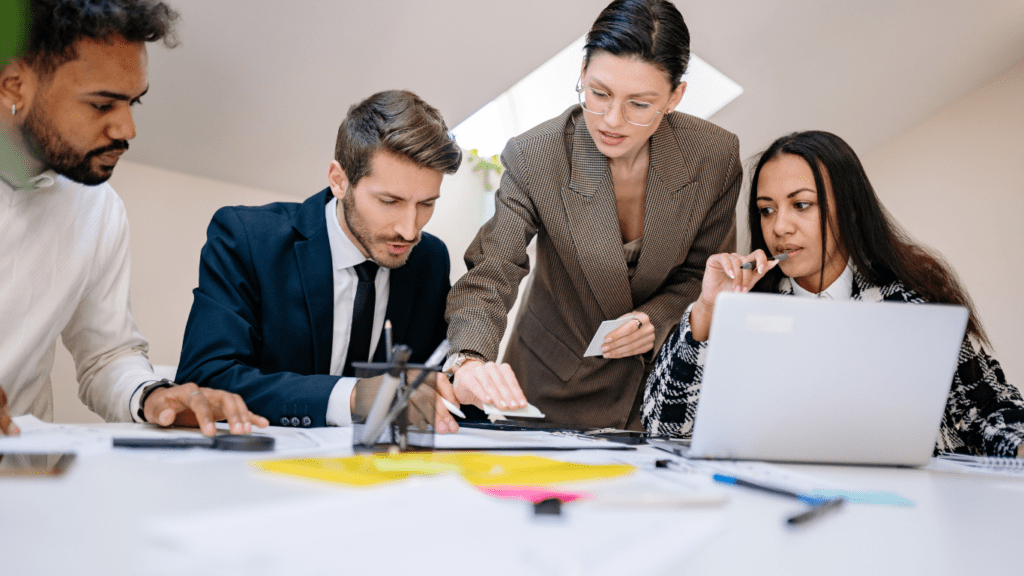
191,405
425,405
480,383
6,426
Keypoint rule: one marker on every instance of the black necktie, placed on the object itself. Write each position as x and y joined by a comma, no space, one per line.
362,317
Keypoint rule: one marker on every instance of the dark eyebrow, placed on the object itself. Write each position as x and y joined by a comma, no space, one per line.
118,96
790,195
647,94
402,199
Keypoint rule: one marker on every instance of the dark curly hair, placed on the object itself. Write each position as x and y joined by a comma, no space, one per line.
58,24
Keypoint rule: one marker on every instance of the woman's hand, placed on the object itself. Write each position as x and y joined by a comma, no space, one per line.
725,273
480,383
632,338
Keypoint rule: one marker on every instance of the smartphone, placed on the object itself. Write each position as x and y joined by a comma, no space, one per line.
630,437
50,464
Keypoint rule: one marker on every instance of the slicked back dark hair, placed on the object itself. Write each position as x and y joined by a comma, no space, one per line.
58,24
399,122
880,249
650,30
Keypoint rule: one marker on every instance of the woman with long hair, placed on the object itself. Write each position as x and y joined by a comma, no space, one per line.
811,199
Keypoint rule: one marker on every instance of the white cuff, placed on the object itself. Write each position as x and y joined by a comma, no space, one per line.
133,404
339,405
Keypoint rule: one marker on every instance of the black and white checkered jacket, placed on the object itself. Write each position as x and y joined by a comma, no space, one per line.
984,414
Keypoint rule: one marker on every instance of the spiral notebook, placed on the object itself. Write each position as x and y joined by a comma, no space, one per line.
990,465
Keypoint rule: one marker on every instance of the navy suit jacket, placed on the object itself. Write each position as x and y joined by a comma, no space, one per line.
262,321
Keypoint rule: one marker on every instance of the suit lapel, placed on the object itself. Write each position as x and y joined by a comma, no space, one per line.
589,201
316,270
667,209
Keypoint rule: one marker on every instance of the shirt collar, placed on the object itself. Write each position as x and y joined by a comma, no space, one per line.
43,180
344,253
29,188
841,289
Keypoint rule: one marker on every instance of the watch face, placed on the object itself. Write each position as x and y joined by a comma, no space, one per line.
453,361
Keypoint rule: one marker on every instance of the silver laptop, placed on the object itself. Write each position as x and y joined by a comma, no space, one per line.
811,380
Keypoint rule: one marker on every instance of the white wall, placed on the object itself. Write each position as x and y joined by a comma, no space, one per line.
956,183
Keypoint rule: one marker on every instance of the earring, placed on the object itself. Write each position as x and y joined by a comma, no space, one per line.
14,109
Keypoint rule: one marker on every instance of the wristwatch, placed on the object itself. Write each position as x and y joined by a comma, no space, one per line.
149,389
456,360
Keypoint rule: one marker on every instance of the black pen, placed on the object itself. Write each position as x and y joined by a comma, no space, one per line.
816,511
779,257
387,338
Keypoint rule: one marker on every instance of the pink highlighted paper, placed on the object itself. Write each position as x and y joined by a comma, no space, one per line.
532,493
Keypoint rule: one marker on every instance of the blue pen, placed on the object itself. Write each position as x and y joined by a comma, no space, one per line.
819,506
722,478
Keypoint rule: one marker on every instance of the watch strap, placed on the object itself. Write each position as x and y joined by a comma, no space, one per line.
149,389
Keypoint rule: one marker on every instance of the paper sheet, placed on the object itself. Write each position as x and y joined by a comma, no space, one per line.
528,411
42,437
434,525
767,474
483,439
38,436
606,328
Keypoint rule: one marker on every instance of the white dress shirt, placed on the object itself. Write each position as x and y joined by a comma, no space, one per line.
840,289
64,271
344,257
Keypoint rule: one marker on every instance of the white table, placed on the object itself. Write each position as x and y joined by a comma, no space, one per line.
91,520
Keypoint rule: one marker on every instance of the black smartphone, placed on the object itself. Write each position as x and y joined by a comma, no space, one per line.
630,437
51,464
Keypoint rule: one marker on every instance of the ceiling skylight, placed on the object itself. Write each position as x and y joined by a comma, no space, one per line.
550,89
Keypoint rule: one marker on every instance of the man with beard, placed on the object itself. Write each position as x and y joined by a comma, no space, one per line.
291,294
64,262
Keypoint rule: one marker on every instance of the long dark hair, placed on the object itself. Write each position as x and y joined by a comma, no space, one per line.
651,30
879,248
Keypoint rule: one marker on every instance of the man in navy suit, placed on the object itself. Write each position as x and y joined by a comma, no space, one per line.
291,294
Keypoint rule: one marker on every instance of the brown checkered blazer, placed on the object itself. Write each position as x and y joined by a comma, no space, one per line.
558,186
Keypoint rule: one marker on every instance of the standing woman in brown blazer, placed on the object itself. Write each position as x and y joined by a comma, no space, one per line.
628,199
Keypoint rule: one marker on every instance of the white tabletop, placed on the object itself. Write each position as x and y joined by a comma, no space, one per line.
96,518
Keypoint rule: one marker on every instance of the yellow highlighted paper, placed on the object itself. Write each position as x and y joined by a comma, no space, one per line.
479,469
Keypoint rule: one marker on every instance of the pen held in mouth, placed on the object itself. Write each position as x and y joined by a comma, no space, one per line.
780,257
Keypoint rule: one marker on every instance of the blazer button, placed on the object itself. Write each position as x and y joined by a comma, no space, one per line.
296,421
285,421
307,421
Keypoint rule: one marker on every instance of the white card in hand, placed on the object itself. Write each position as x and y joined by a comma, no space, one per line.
528,411
603,331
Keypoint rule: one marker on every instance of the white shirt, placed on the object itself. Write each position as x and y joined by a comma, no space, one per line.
840,289
64,271
344,257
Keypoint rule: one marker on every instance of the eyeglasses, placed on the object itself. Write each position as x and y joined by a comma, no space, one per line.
598,102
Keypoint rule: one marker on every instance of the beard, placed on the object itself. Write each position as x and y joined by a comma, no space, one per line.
357,225
45,142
